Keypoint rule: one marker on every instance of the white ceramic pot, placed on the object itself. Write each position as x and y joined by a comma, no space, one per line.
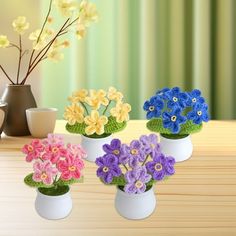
93,146
41,121
180,149
53,207
135,206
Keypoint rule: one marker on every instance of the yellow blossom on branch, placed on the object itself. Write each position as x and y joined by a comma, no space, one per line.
74,113
121,112
80,31
97,98
38,44
88,12
4,42
55,55
113,94
20,25
95,123
66,7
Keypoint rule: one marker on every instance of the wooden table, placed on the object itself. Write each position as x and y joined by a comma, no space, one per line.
200,199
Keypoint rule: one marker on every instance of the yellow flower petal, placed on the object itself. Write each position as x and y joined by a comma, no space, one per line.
95,123
55,55
4,42
97,98
78,96
66,7
74,113
20,24
113,94
100,129
89,130
81,31
88,12
121,112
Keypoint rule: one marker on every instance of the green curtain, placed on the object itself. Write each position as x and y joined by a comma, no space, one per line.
140,46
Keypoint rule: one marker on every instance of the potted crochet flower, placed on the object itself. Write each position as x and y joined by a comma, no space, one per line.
134,169
96,114
55,167
175,115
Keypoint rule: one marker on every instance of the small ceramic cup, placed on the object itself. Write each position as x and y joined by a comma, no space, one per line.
3,115
41,121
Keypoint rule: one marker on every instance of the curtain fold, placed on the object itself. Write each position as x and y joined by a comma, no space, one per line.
141,46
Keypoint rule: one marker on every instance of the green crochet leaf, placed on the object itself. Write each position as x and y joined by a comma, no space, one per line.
55,191
189,127
30,182
119,181
78,128
61,182
111,127
151,182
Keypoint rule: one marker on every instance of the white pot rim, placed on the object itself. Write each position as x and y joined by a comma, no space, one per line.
53,197
138,195
88,138
43,109
3,104
174,140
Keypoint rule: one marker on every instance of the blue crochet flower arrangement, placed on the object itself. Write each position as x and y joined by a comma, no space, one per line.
176,114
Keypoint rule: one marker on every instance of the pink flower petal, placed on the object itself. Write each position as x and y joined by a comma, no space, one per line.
79,163
48,180
62,166
66,175
76,174
37,177
37,166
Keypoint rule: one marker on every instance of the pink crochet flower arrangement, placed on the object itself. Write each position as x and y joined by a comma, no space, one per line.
55,164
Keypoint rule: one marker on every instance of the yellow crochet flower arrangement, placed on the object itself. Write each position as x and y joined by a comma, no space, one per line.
96,113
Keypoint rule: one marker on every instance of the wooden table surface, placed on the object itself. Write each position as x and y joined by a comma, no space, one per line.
200,199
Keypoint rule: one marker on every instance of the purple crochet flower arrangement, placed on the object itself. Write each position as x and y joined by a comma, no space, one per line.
134,168
175,113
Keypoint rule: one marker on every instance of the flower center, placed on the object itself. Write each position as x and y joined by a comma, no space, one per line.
194,100
55,150
139,184
158,167
72,168
199,113
44,175
105,169
173,118
151,108
153,145
134,151
175,99
116,152
30,148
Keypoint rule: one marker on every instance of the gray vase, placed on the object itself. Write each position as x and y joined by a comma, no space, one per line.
3,115
19,98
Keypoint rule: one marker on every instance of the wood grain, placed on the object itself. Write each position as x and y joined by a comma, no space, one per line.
200,199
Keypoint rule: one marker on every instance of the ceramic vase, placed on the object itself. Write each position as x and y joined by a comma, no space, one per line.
135,206
93,146
180,149
3,115
19,98
53,207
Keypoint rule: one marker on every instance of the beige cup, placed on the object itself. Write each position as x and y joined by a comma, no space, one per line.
41,121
